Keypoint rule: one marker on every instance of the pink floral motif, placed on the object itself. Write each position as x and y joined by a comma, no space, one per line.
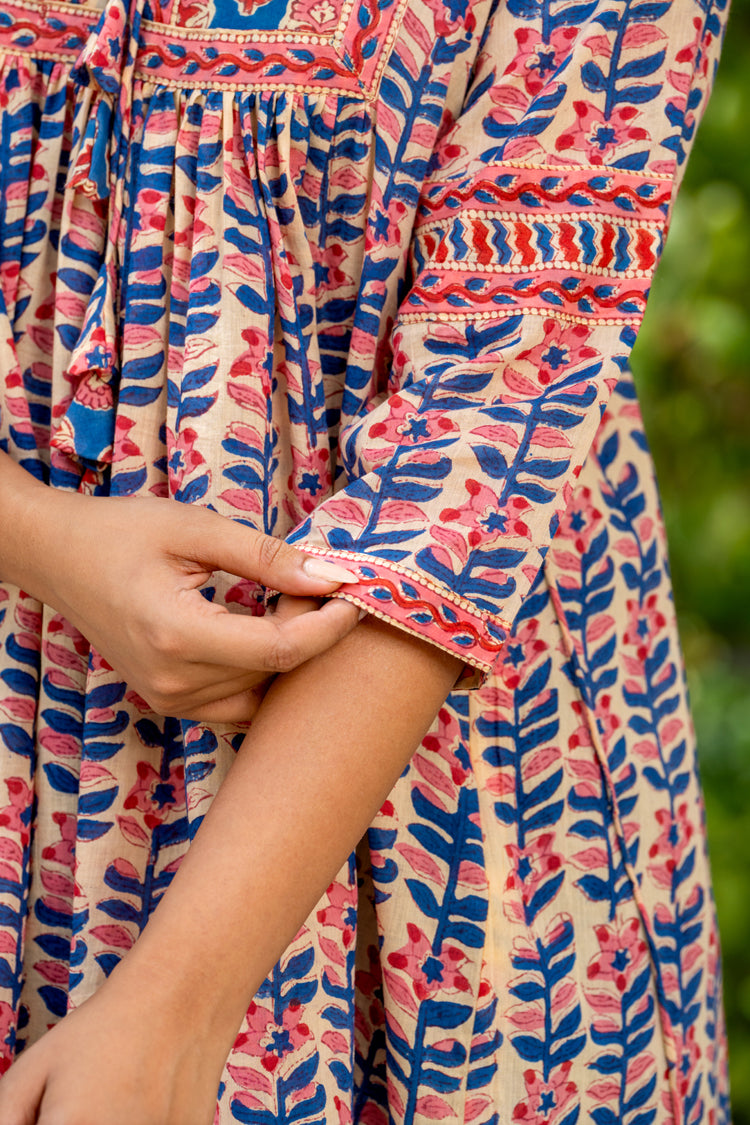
269,1041
385,225
483,513
310,479
668,850
645,623
152,208
536,60
531,867
564,348
688,1054
430,972
545,1101
598,136
580,522
320,15
124,446
341,911
64,851
440,746
407,425
448,18
607,720
183,458
15,814
157,796
623,951
521,654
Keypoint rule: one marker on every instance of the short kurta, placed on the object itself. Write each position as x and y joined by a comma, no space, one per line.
365,274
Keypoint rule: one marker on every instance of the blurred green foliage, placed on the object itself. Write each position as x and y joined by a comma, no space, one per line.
691,367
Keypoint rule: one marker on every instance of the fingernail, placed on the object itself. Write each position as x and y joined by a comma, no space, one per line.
327,571
363,613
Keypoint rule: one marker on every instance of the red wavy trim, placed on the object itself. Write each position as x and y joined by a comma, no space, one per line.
559,195
242,64
429,296
412,605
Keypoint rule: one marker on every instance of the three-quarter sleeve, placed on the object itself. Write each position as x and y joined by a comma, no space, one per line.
540,223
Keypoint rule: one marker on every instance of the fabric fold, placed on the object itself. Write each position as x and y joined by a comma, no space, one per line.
85,429
530,260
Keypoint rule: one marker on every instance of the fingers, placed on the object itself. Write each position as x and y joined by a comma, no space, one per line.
19,1099
287,606
272,644
236,709
179,696
236,655
240,550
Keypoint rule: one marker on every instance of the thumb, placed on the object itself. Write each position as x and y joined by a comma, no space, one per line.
249,553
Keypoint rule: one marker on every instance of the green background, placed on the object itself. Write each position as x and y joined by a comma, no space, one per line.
690,365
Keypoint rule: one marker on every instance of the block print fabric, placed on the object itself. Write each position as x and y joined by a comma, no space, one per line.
366,274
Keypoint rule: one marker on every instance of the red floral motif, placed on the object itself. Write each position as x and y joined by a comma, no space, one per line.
269,1041
532,866
483,513
124,446
407,425
536,60
623,951
157,796
152,207
562,349
608,722
309,480
668,850
430,972
688,1054
341,911
440,746
598,136
182,457
369,986
449,18
15,815
386,225
521,654
645,622
64,851
580,522
545,1101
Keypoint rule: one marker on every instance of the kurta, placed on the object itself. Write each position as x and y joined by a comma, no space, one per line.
366,274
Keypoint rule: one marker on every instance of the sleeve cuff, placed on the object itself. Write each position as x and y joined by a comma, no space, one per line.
407,600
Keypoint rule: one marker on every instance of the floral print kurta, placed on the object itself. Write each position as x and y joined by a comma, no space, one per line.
366,274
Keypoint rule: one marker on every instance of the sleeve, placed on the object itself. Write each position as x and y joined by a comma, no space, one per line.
540,223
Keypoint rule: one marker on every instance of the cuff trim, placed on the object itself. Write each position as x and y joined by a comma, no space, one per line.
402,597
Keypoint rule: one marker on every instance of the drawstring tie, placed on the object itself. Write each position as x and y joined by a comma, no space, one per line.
104,73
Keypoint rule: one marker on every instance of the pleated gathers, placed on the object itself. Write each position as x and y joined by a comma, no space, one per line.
367,275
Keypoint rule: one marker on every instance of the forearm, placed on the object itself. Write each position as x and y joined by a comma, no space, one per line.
24,541
324,751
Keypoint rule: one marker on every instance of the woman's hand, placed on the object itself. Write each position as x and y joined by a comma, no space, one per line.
127,573
116,1060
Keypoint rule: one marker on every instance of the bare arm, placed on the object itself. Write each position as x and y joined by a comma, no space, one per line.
326,747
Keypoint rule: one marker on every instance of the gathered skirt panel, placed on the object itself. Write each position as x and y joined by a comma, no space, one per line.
527,933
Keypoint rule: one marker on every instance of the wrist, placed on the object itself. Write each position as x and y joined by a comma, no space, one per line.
185,991
34,518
